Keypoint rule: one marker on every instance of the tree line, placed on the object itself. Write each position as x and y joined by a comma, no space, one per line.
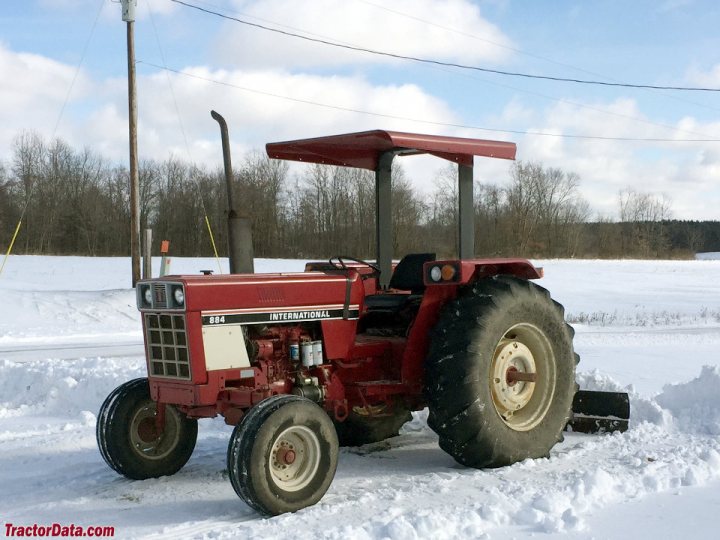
77,202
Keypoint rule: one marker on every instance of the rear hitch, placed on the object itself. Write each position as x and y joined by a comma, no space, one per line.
600,412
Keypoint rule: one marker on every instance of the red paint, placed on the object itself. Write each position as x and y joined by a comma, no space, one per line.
363,149
360,370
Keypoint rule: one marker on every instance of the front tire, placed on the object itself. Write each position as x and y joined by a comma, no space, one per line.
500,373
128,439
283,455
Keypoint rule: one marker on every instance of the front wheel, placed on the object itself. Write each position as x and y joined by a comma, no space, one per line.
283,455
500,373
129,440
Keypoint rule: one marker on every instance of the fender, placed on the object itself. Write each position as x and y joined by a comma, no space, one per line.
462,272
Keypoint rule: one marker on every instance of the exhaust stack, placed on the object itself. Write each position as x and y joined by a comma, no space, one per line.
240,246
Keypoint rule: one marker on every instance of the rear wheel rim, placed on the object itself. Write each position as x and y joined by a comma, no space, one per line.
295,458
524,348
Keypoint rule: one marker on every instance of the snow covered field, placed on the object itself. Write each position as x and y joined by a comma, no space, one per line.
69,334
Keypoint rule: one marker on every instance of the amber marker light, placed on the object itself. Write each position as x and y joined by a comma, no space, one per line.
448,272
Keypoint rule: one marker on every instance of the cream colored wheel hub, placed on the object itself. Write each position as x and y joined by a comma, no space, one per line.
295,458
523,375
513,395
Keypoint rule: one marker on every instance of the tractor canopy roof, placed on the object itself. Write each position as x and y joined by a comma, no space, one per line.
363,150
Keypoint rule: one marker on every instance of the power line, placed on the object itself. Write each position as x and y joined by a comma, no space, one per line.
486,80
476,37
184,134
446,64
519,51
574,103
417,120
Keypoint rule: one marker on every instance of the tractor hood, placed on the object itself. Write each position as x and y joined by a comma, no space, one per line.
256,292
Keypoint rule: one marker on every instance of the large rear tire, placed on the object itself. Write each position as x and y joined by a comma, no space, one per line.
500,373
129,441
283,455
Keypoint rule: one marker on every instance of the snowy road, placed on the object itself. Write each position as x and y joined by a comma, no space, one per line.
26,353
648,325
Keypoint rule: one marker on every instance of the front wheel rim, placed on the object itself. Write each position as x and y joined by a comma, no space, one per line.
144,437
294,459
522,376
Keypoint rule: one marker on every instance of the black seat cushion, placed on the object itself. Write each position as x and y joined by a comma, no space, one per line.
408,274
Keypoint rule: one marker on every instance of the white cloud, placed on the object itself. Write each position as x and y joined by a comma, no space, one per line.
359,24
35,87
255,118
96,114
688,173
33,92
709,78
111,10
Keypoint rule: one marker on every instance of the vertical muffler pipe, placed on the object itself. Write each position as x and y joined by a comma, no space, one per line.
240,246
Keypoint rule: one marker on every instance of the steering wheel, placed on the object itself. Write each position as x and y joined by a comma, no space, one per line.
339,263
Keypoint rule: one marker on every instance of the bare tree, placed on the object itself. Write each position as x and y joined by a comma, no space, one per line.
643,215
77,202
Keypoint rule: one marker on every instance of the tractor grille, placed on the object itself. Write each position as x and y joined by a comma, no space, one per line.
159,295
167,345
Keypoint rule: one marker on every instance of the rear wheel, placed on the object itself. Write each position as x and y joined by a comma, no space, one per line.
129,440
500,373
283,455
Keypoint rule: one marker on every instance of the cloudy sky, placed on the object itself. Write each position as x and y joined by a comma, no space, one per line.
63,68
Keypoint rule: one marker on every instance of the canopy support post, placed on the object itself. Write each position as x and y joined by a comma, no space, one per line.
466,214
383,213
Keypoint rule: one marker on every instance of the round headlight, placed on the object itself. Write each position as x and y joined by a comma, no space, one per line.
179,296
147,295
435,273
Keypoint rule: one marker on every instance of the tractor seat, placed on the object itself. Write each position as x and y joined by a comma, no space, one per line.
408,276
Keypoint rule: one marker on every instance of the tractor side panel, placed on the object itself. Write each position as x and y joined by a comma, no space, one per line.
419,338
338,337
224,347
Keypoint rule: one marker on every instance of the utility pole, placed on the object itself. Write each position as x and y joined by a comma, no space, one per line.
128,15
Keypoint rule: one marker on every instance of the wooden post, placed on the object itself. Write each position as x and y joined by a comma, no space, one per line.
147,257
128,14
165,261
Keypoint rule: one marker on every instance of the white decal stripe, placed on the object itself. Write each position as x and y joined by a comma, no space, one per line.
280,316
275,309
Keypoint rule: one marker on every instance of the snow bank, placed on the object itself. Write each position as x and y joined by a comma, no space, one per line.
45,273
695,406
692,407
62,387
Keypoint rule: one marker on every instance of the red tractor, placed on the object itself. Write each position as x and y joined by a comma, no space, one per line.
340,354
